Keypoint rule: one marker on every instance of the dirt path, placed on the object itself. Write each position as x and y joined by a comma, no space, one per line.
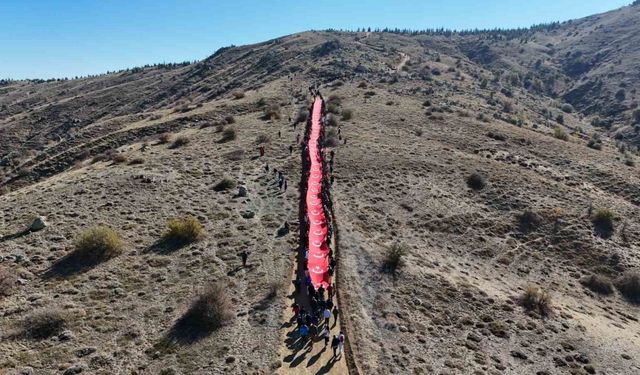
312,356
403,61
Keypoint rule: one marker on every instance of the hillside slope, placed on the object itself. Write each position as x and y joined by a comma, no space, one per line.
538,114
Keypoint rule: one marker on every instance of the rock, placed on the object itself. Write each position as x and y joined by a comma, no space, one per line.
518,354
230,359
75,369
242,191
403,328
473,337
625,356
65,336
85,352
590,369
39,223
26,371
581,357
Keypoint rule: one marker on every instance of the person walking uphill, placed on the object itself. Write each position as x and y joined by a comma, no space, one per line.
334,344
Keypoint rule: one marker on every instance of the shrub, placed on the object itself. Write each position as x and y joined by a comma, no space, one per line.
331,138
97,244
209,311
333,108
567,108
476,181
225,184
7,282
595,142
362,85
262,138
180,141
238,95
394,258
235,155
272,112
136,161
118,158
164,138
559,133
229,119
302,116
99,158
331,121
183,230
43,324
537,300
507,107
598,284
228,135
560,119
347,114
629,286
529,221
603,221
261,102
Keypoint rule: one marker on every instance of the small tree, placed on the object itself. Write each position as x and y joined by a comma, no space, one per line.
394,258
476,181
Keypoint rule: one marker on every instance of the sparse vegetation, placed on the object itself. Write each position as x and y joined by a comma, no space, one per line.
595,142
180,141
229,119
529,221
238,95
228,135
566,108
209,311
224,184
535,299
7,282
136,161
262,139
272,112
164,138
347,114
43,324
629,286
394,258
183,230
332,121
602,221
476,181
560,119
118,158
598,284
97,244
560,134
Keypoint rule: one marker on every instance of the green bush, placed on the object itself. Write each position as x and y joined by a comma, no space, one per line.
183,230
567,108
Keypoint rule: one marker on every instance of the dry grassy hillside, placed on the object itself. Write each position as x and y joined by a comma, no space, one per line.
486,194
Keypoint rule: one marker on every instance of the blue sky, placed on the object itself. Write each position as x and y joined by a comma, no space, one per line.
56,38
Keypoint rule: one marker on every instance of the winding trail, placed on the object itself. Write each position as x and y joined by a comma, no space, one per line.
318,262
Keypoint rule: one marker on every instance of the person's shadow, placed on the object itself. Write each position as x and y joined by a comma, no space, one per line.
315,358
327,367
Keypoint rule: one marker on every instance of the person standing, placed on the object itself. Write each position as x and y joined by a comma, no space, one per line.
326,314
334,345
325,335
335,315
340,343
244,255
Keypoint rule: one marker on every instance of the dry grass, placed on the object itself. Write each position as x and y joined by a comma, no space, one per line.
629,286
238,95
559,133
229,119
536,300
164,138
119,158
347,114
97,244
43,324
183,230
136,161
272,112
7,282
262,139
